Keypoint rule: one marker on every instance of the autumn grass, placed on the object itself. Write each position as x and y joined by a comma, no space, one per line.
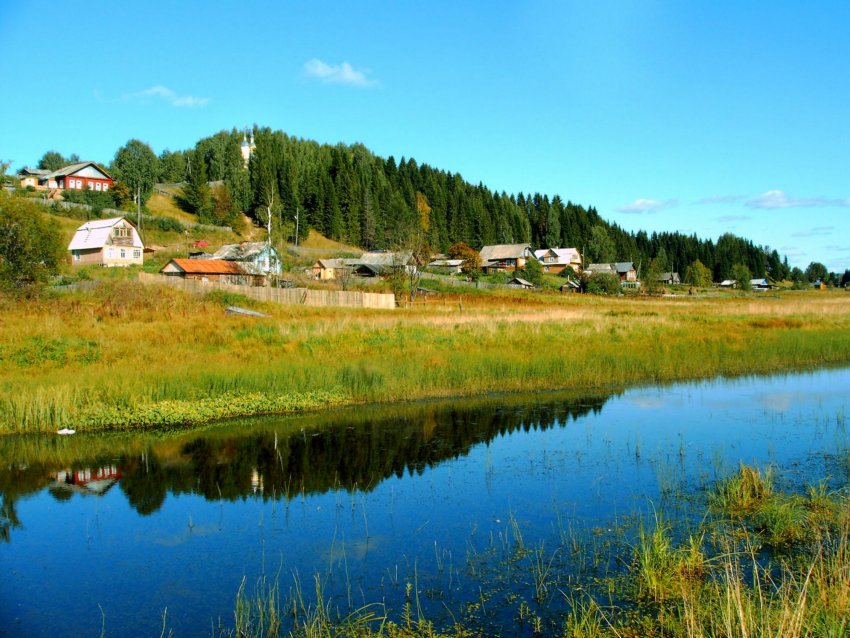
120,355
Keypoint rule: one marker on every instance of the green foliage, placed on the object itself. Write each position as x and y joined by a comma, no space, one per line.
602,284
600,247
98,200
698,275
816,271
742,276
52,161
533,272
31,248
136,165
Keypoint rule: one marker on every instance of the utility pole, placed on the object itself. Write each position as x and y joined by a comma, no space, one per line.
296,226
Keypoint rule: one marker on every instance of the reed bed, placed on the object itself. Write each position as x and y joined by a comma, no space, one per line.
121,355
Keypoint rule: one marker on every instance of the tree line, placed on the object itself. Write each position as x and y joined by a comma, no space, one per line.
349,194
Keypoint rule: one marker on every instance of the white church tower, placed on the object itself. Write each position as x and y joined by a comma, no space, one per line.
247,147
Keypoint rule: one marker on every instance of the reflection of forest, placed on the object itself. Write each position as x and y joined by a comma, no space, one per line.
354,450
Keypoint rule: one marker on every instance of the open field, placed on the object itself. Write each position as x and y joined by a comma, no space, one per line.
120,355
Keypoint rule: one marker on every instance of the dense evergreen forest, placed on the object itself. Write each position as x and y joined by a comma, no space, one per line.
351,195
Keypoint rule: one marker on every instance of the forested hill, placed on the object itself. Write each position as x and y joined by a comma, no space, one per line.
350,194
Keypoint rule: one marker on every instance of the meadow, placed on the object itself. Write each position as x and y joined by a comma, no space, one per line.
115,354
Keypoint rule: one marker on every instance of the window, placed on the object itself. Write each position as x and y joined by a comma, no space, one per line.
137,253
76,255
62,184
97,186
106,187
123,254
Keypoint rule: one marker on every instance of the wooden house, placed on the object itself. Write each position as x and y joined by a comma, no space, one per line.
325,269
557,260
446,266
518,282
80,176
669,278
229,272
624,270
261,256
31,176
505,257
107,242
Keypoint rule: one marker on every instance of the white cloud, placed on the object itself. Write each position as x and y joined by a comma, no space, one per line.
338,73
648,206
166,95
780,199
817,231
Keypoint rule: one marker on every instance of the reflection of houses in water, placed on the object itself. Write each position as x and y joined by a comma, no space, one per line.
90,480
256,481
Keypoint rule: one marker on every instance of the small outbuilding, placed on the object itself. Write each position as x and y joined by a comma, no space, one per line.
229,272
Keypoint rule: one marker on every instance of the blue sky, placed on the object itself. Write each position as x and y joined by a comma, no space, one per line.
702,117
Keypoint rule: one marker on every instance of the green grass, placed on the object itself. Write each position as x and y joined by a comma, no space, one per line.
117,354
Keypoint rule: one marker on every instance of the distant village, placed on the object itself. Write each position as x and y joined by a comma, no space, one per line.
117,242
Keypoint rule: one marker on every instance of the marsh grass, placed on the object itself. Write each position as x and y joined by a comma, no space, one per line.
116,350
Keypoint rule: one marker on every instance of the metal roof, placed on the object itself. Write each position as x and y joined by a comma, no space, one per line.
73,168
204,267
95,233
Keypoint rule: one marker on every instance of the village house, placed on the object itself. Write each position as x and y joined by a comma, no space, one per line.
107,242
669,278
446,266
261,256
557,260
325,269
378,263
80,176
518,282
505,257
29,177
221,270
625,270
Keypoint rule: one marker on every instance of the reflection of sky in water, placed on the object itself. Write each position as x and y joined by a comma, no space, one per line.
191,554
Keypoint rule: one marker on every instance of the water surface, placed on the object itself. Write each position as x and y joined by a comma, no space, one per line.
110,531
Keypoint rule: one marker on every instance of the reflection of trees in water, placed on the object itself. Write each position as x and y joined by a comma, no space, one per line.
353,450
344,455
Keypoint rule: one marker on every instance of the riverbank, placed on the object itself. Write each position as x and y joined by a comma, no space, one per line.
124,356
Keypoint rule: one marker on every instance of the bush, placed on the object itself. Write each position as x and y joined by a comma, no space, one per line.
31,249
602,284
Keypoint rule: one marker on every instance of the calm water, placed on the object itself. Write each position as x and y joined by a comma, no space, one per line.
110,531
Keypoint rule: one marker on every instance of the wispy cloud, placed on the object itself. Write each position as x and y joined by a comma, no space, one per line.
338,73
838,249
726,219
780,199
159,93
642,206
721,199
817,231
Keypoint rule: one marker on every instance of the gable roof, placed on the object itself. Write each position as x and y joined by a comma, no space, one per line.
386,258
505,251
74,168
204,267
95,233
563,255
624,266
517,281
331,263
36,172
600,268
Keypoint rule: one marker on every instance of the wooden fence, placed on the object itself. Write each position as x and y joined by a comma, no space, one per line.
291,296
